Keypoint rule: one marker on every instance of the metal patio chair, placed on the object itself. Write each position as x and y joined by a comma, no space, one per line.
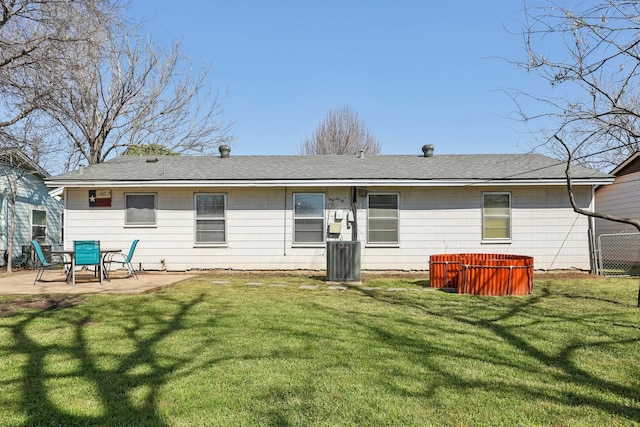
125,260
42,263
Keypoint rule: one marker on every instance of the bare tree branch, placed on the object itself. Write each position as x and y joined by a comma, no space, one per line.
590,57
35,40
591,112
340,132
100,85
129,92
625,220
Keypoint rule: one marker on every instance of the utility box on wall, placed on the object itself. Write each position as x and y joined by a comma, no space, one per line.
343,261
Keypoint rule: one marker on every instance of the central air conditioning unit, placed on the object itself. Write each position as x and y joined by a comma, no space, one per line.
343,261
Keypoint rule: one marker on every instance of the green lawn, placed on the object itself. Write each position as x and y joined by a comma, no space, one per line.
224,350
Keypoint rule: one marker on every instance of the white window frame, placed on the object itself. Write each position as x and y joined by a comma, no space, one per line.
141,224
197,218
508,217
370,217
320,217
44,237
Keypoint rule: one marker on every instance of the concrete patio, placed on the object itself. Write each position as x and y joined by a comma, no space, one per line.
53,282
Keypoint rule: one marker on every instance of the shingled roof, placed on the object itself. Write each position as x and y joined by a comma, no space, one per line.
15,158
444,169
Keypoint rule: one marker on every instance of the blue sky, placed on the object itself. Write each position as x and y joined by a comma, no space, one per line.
416,72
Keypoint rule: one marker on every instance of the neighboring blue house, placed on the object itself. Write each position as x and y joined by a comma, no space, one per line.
38,214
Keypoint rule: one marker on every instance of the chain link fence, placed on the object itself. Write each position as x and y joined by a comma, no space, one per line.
619,254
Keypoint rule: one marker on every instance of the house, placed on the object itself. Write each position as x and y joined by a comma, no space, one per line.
618,242
278,212
38,215
622,198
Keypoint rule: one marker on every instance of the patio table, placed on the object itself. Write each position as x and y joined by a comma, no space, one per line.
71,254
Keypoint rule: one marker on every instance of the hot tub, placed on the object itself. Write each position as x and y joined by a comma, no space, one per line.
482,274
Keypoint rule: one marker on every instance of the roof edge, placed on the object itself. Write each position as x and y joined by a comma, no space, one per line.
625,163
328,183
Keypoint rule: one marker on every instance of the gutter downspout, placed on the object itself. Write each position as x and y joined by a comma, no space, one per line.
593,246
354,209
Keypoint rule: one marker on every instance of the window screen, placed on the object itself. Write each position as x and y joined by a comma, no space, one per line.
308,218
38,225
383,218
496,216
210,218
140,209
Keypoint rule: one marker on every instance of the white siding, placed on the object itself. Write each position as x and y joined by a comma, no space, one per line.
445,220
259,228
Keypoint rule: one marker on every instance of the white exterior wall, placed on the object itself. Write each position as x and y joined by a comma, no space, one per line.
259,224
449,220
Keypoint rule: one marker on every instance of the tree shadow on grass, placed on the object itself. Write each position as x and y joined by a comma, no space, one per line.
486,325
505,326
138,371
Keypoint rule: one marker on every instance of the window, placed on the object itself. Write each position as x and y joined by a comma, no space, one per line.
38,225
496,216
383,219
140,209
210,218
308,213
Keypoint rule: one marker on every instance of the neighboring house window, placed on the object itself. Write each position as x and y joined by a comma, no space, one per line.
496,216
210,218
308,218
140,209
38,225
383,219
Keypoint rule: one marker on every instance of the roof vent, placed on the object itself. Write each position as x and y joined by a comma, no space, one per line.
225,150
427,149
